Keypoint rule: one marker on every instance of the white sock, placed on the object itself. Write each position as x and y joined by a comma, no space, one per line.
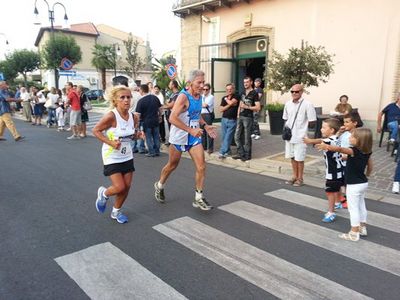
160,185
115,210
199,195
104,194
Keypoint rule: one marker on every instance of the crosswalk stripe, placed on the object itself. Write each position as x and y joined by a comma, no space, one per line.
375,219
105,272
375,255
269,272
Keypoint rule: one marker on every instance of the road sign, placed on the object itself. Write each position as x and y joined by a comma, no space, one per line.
171,71
71,73
1,76
66,64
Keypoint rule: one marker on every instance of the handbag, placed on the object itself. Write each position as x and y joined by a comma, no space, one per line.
287,132
87,105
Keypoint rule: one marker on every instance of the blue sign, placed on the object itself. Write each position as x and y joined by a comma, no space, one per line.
66,64
171,71
2,76
71,73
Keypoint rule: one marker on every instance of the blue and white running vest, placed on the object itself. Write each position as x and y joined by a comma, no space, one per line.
190,118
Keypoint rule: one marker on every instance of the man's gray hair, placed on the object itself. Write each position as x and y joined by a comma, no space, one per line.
195,73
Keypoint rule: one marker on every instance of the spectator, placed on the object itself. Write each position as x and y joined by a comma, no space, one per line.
173,86
149,109
137,144
207,113
160,96
39,100
5,113
26,104
297,114
52,99
75,116
256,133
229,108
392,112
249,103
84,113
343,107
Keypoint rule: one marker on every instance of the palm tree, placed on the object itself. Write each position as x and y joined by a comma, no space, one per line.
103,59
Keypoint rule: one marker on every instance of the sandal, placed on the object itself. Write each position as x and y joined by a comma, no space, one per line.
291,181
350,236
298,182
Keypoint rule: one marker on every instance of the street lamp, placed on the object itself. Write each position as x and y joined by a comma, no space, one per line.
117,50
51,18
3,34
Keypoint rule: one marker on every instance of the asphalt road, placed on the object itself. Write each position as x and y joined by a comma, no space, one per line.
54,244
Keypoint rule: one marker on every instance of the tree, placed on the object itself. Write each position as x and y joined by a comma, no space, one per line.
58,47
307,65
7,68
160,71
103,59
24,61
133,58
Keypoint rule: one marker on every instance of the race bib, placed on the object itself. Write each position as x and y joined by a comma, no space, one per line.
194,123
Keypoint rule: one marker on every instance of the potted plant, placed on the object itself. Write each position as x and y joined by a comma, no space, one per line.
275,113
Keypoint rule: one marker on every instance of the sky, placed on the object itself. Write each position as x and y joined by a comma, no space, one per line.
152,19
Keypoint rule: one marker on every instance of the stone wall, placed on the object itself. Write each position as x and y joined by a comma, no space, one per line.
190,41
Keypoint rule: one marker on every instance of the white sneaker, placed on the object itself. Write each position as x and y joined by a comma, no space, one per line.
257,137
396,187
253,136
391,141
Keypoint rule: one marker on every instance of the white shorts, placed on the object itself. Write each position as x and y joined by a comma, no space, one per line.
75,118
295,151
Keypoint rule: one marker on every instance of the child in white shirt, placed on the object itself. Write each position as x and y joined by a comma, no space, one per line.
60,117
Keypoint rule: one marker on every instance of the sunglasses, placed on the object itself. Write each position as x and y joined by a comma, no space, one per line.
206,89
295,92
125,97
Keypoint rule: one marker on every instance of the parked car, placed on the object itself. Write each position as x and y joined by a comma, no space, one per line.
94,94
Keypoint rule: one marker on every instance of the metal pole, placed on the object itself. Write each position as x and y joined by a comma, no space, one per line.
51,18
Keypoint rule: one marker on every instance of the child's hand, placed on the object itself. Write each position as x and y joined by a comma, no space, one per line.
341,130
306,140
322,146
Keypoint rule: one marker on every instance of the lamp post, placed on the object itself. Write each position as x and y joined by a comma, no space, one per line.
117,52
51,18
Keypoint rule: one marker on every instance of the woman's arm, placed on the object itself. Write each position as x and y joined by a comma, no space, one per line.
106,122
307,140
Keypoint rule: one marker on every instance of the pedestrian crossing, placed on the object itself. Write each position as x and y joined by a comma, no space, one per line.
99,269
94,118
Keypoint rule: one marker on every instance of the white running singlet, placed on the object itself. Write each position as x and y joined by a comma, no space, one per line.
123,132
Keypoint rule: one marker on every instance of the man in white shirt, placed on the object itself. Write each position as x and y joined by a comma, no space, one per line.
160,96
297,114
207,113
26,104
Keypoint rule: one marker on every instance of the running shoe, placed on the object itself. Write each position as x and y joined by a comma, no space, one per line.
363,230
101,200
120,217
329,217
159,193
350,236
202,204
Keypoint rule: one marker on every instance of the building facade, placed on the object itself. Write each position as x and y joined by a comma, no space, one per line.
86,36
232,38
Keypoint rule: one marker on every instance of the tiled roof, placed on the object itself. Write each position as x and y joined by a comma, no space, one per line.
82,28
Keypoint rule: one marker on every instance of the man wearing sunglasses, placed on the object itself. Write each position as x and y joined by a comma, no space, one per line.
297,114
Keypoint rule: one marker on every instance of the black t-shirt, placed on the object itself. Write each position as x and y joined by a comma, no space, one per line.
231,112
148,108
83,98
355,167
250,99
